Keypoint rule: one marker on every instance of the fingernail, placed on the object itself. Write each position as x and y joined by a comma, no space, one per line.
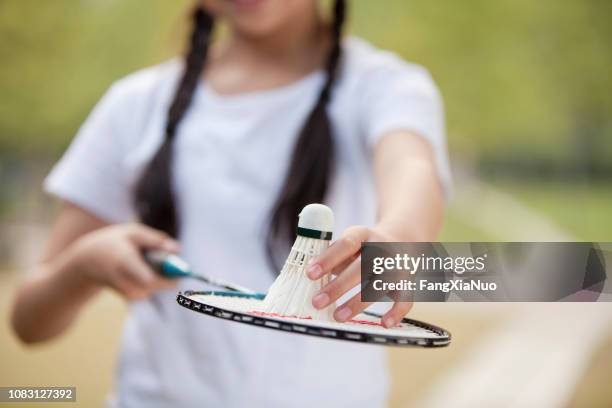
314,271
320,300
342,314
389,322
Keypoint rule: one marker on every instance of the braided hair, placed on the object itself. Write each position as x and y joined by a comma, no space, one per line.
154,197
310,170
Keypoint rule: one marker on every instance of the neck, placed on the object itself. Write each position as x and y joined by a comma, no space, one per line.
301,45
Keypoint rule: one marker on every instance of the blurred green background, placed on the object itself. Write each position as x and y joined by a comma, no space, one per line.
526,86
527,93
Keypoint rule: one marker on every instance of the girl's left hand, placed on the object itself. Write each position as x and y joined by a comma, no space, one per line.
343,259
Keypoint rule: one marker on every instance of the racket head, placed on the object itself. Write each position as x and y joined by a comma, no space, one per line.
364,328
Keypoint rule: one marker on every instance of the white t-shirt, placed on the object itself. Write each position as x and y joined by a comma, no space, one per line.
231,156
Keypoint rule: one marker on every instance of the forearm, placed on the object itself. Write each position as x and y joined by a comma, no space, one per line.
50,298
411,210
410,201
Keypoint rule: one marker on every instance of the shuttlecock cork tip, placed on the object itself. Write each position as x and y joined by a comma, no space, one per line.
317,217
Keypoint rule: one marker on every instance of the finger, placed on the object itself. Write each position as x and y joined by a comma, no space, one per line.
147,237
396,314
340,268
350,309
127,287
337,287
137,294
134,290
134,267
339,252
164,283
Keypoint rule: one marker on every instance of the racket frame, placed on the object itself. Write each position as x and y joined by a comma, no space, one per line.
183,299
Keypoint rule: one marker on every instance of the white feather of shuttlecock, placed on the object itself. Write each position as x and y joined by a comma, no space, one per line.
291,294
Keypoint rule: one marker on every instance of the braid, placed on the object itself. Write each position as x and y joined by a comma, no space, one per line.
331,65
154,197
312,161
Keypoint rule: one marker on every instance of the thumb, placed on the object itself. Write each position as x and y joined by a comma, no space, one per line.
150,238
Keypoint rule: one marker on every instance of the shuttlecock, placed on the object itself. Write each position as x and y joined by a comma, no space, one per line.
291,293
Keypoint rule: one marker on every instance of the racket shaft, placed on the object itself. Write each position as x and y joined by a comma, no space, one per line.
171,266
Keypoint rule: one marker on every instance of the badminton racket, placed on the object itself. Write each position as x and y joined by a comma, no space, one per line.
364,328
239,304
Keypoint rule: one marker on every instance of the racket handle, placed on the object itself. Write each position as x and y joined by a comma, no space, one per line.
167,264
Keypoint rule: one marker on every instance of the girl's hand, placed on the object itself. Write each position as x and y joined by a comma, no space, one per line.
112,256
343,259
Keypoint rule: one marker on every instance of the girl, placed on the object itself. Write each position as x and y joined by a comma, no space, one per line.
221,151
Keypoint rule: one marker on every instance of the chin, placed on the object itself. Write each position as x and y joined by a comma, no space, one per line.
256,29
259,18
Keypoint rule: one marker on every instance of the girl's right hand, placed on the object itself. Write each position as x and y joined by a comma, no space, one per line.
112,257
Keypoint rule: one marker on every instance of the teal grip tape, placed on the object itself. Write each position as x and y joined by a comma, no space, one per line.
173,270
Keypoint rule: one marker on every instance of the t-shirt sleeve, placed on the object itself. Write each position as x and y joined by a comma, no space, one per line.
91,172
402,96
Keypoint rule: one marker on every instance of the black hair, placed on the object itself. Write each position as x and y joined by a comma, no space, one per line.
311,166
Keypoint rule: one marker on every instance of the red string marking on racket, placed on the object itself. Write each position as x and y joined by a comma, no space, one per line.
258,313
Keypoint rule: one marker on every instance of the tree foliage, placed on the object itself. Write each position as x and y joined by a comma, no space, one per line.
520,78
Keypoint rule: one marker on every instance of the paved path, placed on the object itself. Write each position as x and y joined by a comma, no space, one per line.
536,357
534,360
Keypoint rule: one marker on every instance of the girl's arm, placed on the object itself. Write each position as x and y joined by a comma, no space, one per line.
410,209
83,255
410,199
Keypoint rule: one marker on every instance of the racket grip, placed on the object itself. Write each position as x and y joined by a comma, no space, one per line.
167,264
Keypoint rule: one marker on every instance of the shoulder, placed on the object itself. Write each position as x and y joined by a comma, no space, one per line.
129,106
134,101
368,67
154,81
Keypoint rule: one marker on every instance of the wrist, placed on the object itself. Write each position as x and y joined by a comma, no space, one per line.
398,231
74,269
